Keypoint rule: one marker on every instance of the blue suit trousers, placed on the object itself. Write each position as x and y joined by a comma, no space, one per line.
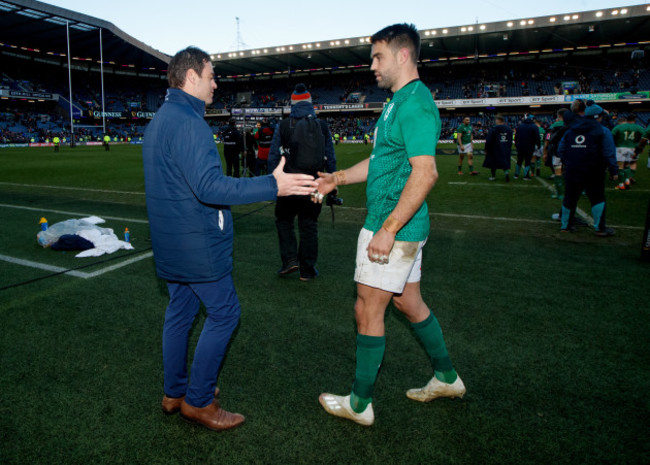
223,312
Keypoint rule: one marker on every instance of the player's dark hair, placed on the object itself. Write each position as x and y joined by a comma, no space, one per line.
631,117
189,58
399,36
562,111
499,118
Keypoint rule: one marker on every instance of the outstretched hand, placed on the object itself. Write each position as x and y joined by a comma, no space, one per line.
293,184
326,183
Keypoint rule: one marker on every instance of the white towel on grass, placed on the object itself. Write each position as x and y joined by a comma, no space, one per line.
104,243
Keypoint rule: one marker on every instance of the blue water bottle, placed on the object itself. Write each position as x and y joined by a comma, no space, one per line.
43,224
127,235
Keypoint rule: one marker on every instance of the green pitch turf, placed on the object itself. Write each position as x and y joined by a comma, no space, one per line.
549,331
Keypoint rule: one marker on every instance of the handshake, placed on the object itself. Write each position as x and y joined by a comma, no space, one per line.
305,184
326,188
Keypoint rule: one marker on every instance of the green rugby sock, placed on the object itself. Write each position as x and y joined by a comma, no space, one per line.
370,352
559,185
430,334
460,168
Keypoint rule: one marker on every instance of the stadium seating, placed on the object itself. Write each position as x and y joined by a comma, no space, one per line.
466,79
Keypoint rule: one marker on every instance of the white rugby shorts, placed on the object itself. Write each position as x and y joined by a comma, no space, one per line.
557,162
466,148
624,154
404,265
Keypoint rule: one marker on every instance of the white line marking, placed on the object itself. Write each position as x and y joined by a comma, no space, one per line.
495,218
66,188
76,274
579,210
495,184
75,214
118,265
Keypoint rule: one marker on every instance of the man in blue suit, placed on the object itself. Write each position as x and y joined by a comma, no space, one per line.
188,204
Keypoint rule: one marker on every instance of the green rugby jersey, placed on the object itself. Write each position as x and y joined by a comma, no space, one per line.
465,132
408,127
627,135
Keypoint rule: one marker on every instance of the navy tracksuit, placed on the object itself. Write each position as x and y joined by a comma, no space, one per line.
526,140
586,150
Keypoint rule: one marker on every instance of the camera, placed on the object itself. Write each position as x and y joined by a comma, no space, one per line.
333,199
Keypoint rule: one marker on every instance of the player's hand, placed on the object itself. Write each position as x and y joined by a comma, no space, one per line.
293,184
380,246
326,183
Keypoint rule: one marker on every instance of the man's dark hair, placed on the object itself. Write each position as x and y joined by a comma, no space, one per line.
631,117
399,36
189,58
578,106
562,111
500,119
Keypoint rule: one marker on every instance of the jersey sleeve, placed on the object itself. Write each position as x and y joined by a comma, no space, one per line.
420,128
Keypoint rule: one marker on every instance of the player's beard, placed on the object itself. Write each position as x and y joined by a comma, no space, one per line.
385,82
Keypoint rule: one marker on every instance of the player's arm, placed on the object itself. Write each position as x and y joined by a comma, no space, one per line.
420,182
641,145
547,139
327,182
459,138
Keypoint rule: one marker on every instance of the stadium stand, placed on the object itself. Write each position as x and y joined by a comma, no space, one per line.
509,61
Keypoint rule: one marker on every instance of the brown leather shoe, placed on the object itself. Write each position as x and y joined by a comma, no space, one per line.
212,417
171,405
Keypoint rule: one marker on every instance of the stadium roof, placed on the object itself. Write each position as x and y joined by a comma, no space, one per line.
610,27
38,28
33,26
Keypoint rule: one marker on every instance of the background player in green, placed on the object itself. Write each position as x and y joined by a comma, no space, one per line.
400,172
553,137
464,141
538,154
627,136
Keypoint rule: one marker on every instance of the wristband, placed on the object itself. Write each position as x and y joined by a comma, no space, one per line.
340,178
392,224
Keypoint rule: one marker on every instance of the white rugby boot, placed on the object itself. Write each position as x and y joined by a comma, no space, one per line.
339,406
436,388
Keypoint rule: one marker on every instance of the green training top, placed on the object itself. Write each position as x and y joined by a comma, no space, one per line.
465,132
408,127
627,135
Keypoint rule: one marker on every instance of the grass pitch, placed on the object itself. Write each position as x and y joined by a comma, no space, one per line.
548,330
